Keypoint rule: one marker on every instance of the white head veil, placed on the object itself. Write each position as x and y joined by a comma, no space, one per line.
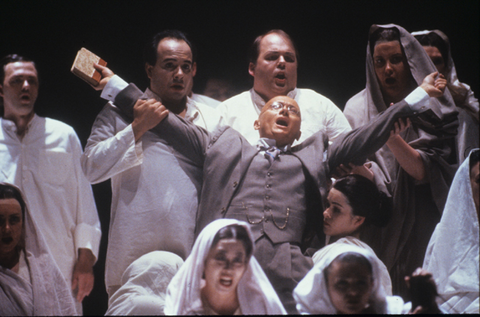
255,293
453,253
51,293
144,285
311,293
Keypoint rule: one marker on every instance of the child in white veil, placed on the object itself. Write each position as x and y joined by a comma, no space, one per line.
254,292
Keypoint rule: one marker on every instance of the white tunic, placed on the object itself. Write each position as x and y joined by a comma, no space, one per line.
154,195
318,113
46,167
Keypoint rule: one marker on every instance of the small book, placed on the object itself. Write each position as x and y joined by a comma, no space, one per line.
83,66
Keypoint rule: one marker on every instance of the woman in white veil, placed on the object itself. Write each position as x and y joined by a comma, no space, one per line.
254,293
31,283
453,252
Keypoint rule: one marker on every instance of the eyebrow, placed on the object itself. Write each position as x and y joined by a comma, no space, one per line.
175,60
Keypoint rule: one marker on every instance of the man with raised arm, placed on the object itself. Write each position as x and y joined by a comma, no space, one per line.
275,186
154,195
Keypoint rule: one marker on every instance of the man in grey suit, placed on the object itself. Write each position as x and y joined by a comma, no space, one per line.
275,187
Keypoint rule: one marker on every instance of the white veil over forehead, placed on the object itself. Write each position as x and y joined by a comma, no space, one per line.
311,293
144,285
453,252
255,293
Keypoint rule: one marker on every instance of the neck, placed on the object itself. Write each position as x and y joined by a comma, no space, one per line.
21,122
10,260
222,304
178,107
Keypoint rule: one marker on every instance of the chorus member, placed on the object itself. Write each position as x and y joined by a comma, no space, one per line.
347,281
222,277
144,285
437,46
417,163
354,205
247,182
452,254
273,62
42,157
153,193
31,284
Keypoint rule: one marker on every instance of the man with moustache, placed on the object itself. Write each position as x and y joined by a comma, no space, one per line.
42,157
273,65
274,186
154,195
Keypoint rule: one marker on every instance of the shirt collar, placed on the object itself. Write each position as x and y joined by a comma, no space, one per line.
10,127
268,143
259,102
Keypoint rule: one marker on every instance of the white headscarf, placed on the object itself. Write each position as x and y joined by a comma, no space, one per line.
453,254
144,285
51,293
255,293
312,297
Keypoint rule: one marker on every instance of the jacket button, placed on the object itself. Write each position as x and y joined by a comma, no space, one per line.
268,186
223,210
235,184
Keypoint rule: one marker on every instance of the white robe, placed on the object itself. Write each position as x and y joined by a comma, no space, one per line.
453,254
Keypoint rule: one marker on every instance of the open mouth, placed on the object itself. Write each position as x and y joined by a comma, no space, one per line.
280,79
7,240
282,122
177,87
226,281
390,81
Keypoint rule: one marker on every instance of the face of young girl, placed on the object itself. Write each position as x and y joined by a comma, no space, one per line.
338,218
225,265
349,287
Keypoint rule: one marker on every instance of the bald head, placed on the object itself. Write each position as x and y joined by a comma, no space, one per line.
280,120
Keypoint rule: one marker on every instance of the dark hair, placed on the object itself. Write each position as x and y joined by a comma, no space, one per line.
474,158
150,51
383,35
365,199
237,232
433,39
12,58
349,257
254,50
8,191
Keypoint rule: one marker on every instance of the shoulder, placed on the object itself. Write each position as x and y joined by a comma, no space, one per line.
236,99
57,126
312,96
357,100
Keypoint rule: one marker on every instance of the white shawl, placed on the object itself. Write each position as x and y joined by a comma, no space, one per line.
48,291
255,293
144,285
453,254
311,293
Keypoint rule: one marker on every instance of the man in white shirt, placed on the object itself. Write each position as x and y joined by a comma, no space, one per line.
42,157
155,195
273,65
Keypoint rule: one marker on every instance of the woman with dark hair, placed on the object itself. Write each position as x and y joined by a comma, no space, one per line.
453,252
31,284
354,206
417,163
221,276
437,46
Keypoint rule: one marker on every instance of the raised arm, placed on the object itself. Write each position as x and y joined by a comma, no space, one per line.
355,146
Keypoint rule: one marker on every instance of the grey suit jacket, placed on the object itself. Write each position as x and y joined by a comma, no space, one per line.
226,156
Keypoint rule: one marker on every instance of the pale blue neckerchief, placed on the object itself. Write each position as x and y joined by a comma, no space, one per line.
269,149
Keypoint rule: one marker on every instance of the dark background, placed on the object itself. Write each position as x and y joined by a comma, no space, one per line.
331,37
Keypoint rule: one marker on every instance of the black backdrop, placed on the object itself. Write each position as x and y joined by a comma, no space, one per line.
331,37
